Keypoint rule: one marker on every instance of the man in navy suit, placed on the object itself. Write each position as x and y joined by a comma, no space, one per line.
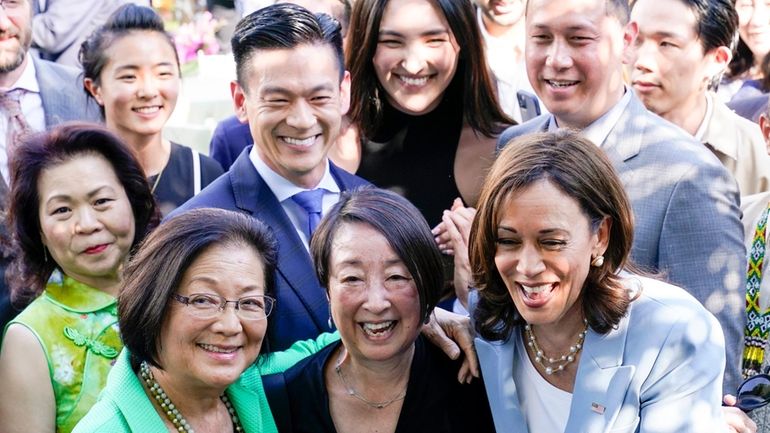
294,114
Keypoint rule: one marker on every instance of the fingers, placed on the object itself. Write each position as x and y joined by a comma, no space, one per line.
737,421
464,375
729,400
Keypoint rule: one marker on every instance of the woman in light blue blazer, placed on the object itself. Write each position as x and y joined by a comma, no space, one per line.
567,341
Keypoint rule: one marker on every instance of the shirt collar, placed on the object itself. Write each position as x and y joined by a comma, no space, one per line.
600,128
282,187
78,297
706,119
28,79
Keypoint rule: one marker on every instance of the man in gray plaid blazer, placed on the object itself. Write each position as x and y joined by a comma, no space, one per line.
685,202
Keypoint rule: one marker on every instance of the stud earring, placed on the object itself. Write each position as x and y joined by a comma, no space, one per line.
597,261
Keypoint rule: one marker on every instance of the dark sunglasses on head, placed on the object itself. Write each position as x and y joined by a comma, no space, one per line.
754,392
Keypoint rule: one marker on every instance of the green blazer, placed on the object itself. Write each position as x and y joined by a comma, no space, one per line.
123,405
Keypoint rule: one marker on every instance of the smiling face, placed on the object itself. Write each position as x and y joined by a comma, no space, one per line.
671,71
754,26
503,13
294,112
544,249
15,34
416,56
86,220
212,353
139,84
574,58
373,297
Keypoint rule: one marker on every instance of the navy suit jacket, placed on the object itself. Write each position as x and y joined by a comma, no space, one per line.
301,311
229,140
686,215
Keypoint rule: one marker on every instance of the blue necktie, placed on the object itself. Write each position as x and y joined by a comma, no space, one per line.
311,201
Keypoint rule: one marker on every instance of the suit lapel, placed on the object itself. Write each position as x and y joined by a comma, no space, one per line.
496,361
252,195
625,139
602,381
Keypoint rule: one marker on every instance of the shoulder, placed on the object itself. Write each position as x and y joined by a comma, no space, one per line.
104,416
54,70
537,124
347,180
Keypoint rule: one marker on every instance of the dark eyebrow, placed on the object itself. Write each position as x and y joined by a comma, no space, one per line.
284,91
432,32
90,194
131,67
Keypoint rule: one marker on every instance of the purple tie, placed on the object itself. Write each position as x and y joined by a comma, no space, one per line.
311,201
17,124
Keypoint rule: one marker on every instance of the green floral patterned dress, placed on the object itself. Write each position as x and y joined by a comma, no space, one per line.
77,325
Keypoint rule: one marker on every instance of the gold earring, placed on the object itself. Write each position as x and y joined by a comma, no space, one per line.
597,261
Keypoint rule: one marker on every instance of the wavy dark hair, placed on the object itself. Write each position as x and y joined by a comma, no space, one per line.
581,170
30,269
400,223
153,274
743,58
479,97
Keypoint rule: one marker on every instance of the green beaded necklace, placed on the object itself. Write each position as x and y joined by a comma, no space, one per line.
172,413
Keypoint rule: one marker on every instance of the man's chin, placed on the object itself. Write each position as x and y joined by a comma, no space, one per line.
9,62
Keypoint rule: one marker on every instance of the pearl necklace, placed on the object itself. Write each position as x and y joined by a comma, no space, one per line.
563,360
172,413
352,392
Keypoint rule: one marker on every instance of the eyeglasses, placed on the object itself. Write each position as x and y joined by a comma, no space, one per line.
753,393
207,306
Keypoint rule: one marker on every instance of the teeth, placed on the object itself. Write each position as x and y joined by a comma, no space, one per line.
414,81
300,142
216,349
535,289
562,83
147,110
378,328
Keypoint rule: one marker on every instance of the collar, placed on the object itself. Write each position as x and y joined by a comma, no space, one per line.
283,188
600,128
78,297
28,79
706,119
718,137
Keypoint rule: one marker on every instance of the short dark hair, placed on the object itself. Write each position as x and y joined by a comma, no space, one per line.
581,170
616,8
400,223
477,89
125,20
154,273
283,26
31,270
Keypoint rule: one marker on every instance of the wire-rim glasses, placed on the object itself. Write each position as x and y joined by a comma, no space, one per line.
208,306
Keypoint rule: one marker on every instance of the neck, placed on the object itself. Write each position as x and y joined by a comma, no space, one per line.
689,115
581,121
152,151
377,380
107,284
194,403
9,78
556,338
513,33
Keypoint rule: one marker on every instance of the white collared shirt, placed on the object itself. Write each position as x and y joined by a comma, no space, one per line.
600,128
31,106
284,190
704,125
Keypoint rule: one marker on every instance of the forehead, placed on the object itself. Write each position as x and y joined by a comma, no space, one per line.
568,14
676,19
290,68
414,15
68,175
141,47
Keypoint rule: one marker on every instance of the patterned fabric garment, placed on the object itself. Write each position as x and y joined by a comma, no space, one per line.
77,325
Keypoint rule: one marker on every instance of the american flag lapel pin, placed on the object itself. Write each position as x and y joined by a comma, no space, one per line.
596,407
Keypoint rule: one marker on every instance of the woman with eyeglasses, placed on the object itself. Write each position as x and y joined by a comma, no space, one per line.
192,314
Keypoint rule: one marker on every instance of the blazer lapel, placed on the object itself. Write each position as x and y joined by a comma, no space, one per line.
496,361
601,383
625,139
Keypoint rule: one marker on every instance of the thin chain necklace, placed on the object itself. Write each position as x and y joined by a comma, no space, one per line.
157,180
560,362
172,413
352,392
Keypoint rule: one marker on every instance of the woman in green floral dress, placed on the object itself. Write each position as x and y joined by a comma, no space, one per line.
79,204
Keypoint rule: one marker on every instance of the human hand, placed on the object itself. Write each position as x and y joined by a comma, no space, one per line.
453,334
457,224
441,236
737,420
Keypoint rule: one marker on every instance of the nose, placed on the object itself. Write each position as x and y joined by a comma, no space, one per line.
558,55
5,22
228,321
377,300
87,221
759,18
148,87
414,59
301,116
644,56
530,262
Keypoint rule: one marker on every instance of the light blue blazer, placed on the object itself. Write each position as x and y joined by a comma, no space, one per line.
659,371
